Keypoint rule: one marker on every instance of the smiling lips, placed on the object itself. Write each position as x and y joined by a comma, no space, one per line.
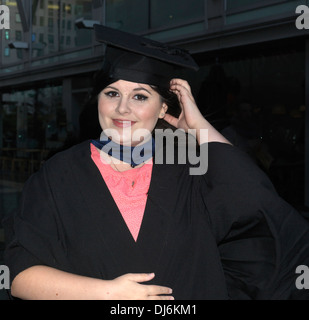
123,123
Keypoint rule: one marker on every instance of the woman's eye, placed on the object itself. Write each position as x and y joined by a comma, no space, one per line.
140,97
111,94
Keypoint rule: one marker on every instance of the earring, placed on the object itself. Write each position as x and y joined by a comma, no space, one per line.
162,115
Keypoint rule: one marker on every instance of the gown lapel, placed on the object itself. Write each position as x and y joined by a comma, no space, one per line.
130,256
154,233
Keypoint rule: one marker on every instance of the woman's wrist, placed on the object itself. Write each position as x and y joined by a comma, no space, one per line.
205,133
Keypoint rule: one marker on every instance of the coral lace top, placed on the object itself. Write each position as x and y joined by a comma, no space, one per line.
129,189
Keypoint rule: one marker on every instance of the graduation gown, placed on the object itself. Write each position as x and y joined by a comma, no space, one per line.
222,235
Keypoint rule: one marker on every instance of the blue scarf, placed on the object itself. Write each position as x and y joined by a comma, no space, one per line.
132,155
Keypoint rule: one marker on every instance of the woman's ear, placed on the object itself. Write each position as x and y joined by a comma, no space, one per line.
163,110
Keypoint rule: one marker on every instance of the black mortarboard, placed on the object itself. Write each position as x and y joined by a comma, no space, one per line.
139,59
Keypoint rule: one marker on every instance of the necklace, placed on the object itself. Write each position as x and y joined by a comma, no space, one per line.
121,172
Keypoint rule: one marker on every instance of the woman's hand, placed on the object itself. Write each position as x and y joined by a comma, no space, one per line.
190,117
129,287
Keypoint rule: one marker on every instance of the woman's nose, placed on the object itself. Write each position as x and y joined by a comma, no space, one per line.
123,106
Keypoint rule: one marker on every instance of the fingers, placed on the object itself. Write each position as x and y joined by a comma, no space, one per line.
158,290
179,84
144,277
183,91
159,293
171,120
140,277
150,292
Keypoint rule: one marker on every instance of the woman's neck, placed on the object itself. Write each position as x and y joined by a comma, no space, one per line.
117,164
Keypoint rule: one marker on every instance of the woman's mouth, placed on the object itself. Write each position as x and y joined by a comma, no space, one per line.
123,123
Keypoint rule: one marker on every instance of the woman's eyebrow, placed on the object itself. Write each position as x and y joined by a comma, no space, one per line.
110,87
140,88
136,89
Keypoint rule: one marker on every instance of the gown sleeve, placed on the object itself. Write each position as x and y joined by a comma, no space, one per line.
35,234
261,238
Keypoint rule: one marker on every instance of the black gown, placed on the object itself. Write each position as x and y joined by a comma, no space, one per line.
222,235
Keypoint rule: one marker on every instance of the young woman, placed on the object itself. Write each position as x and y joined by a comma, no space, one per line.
95,225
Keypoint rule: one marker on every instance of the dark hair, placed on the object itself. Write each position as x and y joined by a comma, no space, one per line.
101,80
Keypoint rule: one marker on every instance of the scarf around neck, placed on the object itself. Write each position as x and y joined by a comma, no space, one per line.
132,155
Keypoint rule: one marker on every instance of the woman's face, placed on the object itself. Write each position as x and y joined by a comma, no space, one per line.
126,107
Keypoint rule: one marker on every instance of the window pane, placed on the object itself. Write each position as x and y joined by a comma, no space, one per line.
232,4
33,118
177,32
274,87
56,20
174,12
33,124
7,34
14,34
17,18
6,52
18,35
287,7
131,16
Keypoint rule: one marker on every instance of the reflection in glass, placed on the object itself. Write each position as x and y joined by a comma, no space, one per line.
33,118
174,12
145,15
232,4
32,124
11,56
131,16
265,11
54,23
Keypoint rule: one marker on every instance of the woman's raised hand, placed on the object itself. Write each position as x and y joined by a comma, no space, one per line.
190,117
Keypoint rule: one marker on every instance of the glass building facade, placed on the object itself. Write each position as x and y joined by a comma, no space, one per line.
250,54
49,29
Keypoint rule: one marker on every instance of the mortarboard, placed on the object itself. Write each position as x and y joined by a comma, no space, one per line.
134,58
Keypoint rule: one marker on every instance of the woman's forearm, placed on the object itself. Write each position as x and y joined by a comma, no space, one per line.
205,133
45,283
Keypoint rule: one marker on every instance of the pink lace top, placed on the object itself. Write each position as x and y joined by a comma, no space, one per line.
129,190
